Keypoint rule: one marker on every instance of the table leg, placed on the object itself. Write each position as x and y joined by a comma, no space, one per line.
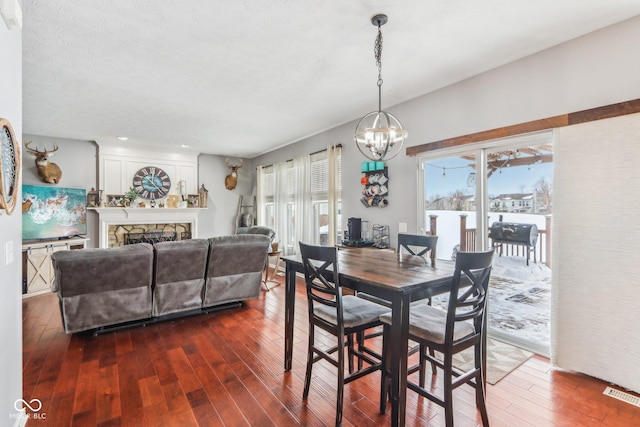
399,346
289,311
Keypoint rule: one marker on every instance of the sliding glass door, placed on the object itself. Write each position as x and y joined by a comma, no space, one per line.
499,194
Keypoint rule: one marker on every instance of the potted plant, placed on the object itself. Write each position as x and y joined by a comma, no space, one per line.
182,189
130,196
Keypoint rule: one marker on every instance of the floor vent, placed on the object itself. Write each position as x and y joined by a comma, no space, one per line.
621,395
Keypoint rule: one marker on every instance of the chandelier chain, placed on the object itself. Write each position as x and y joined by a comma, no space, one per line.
377,51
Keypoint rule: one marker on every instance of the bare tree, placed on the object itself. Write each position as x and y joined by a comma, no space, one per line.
544,193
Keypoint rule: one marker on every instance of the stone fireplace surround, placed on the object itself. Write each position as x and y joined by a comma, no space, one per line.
114,223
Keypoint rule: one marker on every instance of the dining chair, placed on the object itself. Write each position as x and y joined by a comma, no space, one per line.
449,332
418,245
341,316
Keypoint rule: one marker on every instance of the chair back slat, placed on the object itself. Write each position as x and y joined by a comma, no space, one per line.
322,280
416,244
468,297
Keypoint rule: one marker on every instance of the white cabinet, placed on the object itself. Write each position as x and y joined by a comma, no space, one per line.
37,269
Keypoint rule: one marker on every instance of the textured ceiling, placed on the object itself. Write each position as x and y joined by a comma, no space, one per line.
240,78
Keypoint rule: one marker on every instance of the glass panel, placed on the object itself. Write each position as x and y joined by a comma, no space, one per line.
450,202
519,202
519,188
291,243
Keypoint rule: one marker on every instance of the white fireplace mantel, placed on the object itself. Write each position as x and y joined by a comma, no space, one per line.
119,216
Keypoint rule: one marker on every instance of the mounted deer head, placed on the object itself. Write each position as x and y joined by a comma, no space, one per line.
49,172
231,180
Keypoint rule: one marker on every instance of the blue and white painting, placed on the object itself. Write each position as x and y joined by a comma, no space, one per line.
53,212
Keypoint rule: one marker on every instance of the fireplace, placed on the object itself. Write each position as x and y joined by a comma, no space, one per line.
119,226
153,236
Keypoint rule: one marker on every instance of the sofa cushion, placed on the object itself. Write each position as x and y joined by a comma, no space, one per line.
179,270
102,287
234,269
89,270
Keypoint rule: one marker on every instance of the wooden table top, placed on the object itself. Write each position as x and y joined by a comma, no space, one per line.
385,269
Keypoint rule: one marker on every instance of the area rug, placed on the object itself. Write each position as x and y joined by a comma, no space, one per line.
502,358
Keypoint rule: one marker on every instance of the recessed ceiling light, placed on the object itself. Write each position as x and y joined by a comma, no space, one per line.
184,145
123,138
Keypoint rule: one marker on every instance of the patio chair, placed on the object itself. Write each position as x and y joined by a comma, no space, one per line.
462,326
341,316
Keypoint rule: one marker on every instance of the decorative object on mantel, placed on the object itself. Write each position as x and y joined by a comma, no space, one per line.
115,201
231,180
193,200
48,171
94,198
129,197
182,189
151,182
172,201
379,134
9,167
204,196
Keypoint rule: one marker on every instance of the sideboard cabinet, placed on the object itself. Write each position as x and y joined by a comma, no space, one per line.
37,269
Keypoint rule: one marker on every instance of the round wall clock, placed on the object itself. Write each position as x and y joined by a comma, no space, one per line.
151,182
9,167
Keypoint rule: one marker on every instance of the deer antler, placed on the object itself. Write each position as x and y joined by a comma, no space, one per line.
233,166
31,150
37,152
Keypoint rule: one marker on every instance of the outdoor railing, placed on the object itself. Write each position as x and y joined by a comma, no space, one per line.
468,238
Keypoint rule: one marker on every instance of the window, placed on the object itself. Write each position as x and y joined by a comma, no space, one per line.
300,199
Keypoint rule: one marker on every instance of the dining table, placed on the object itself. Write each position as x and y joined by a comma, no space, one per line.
396,278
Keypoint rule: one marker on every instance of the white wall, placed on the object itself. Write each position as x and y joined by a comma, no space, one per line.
219,218
598,69
11,231
78,161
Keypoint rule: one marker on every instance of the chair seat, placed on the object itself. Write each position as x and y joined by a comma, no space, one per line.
356,312
429,323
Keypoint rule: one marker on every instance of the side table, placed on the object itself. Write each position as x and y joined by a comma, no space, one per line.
269,277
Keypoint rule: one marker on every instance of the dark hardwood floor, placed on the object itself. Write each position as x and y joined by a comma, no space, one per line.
226,368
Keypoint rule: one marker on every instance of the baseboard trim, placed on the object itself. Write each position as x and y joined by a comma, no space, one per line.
519,342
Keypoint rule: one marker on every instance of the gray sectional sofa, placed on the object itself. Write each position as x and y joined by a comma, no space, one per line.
141,283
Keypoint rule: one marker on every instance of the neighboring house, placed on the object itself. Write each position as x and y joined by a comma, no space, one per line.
514,203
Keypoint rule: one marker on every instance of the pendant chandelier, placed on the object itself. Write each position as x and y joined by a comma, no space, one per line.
379,135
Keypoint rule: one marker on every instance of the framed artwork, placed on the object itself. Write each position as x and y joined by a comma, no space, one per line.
115,200
193,200
9,167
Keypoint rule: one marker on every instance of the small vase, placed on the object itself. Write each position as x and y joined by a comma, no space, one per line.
182,204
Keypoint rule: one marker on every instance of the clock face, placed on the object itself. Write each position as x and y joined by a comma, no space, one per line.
9,167
151,183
